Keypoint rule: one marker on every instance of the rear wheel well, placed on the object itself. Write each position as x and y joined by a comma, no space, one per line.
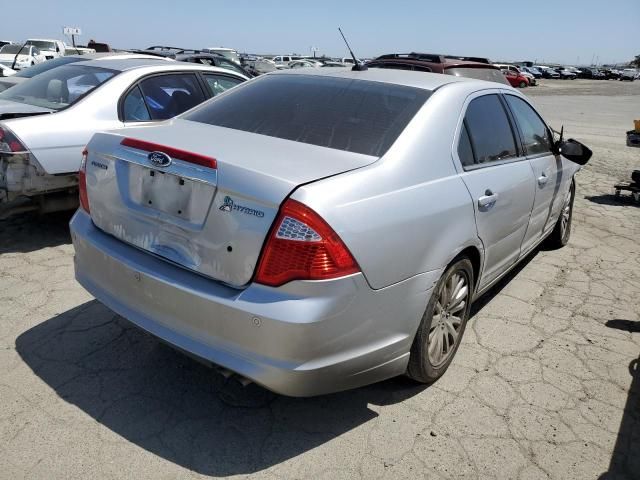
473,254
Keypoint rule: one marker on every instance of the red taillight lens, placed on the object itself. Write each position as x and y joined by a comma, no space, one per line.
9,143
190,157
82,182
302,246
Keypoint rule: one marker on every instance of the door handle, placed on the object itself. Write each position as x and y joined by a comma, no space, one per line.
543,179
488,200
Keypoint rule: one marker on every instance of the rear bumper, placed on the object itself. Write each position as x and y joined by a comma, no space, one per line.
301,339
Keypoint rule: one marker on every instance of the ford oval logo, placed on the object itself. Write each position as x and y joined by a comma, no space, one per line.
159,159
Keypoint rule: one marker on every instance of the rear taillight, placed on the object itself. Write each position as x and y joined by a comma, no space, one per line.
9,143
183,155
82,182
302,246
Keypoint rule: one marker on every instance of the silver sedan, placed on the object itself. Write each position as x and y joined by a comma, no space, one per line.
314,231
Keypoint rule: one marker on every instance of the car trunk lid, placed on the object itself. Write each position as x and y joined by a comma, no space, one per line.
211,220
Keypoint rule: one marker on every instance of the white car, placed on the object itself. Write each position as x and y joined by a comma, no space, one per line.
46,122
18,57
49,48
6,71
629,74
283,61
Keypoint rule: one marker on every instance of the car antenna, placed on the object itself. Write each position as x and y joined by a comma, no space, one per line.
15,59
357,66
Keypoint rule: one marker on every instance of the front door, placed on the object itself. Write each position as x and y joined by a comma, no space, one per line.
537,143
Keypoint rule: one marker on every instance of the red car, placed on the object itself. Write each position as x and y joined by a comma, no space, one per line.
516,79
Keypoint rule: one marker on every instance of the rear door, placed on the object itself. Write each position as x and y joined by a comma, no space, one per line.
537,142
499,179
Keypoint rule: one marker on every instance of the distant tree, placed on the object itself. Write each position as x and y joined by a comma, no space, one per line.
636,62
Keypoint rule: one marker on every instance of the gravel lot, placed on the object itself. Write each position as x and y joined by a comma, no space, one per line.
546,384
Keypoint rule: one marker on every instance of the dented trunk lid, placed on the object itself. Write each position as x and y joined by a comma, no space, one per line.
211,221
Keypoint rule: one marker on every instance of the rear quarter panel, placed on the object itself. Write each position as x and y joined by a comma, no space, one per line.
408,213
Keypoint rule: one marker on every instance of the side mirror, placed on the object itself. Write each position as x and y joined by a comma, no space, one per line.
575,151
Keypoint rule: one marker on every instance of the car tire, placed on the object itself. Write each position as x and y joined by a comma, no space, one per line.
447,312
522,84
561,233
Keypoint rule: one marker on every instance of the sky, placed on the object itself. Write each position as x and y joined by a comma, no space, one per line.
560,31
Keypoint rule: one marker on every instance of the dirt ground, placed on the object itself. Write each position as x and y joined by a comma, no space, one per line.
545,385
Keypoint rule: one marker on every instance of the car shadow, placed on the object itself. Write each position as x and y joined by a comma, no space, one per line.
614,200
29,232
179,409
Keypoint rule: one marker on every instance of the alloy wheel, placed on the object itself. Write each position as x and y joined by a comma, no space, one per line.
447,319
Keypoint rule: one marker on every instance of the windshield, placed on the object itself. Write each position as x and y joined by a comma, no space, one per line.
48,65
58,88
352,115
13,49
42,44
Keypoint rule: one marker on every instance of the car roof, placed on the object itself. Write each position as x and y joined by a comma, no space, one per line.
423,80
123,64
157,64
116,56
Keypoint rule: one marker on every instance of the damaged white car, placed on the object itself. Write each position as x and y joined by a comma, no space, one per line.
46,122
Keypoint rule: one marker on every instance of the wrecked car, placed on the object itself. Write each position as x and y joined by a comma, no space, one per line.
46,122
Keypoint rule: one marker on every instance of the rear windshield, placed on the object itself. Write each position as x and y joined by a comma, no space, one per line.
352,115
58,88
48,65
488,74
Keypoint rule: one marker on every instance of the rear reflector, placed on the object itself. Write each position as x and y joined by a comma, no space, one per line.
176,153
82,182
302,246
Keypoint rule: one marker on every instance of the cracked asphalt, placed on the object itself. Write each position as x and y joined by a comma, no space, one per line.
545,385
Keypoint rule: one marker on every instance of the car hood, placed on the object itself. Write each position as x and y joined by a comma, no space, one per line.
9,109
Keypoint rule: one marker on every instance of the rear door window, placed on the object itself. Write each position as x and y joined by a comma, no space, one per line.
465,151
489,130
169,95
346,114
535,134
